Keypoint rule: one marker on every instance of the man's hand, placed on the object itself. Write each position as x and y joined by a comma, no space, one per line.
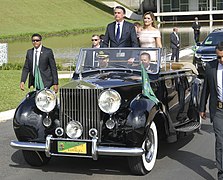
202,115
22,86
55,88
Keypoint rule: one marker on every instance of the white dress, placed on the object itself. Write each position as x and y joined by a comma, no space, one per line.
148,39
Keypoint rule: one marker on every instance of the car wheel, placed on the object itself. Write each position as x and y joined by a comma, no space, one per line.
35,158
144,164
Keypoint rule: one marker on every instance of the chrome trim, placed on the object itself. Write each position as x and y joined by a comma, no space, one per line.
47,150
80,105
120,151
31,146
96,150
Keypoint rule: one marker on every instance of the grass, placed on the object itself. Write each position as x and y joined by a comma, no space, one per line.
21,18
10,93
24,17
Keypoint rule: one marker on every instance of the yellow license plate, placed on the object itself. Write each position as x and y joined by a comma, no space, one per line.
72,147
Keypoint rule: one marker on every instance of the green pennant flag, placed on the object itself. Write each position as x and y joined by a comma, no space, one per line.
38,83
146,88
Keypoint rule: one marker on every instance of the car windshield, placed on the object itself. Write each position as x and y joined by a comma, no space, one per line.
114,58
213,39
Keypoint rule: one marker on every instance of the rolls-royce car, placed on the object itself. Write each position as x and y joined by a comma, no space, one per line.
206,50
119,102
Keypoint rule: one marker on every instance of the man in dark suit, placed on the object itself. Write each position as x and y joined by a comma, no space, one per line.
213,87
120,33
39,59
196,27
175,44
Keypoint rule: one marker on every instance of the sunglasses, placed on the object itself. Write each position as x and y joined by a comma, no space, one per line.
94,39
36,40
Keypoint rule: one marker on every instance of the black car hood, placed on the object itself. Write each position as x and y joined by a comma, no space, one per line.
105,80
206,50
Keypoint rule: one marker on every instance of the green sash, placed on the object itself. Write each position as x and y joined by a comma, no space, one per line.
38,83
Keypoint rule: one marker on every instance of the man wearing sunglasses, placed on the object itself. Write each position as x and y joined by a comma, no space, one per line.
213,88
40,65
95,41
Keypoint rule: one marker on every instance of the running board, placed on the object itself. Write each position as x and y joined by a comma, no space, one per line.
189,127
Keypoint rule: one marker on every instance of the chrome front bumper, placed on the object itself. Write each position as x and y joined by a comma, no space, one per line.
96,150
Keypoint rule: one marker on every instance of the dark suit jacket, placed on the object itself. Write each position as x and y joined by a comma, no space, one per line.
47,67
210,88
196,27
128,36
173,40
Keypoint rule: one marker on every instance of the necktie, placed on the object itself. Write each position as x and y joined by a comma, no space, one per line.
118,32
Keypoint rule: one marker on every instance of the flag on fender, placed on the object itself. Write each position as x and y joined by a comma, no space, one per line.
146,88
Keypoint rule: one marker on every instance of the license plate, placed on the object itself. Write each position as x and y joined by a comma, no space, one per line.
72,147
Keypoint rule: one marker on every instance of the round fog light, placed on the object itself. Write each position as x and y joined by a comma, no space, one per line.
74,129
110,124
59,131
47,121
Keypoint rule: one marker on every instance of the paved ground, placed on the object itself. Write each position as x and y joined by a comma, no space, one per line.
192,157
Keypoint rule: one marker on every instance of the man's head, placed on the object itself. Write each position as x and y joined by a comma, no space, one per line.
219,52
119,13
196,18
36,40
175,29
103,59
95,40
145,59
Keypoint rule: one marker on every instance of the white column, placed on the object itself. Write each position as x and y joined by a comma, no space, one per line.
211,15
158,11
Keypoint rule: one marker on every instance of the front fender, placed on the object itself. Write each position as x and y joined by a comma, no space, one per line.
27,121
142,113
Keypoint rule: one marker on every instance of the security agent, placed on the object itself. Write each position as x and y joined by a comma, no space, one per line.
213,87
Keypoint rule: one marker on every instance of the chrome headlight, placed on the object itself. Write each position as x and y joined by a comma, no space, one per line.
109,101
74,129
45,100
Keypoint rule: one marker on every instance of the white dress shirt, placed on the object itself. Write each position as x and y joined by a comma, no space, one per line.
220,82
38,55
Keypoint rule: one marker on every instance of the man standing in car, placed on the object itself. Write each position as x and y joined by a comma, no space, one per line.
213,87
120,33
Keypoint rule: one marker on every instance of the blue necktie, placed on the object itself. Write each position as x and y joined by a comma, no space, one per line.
118,33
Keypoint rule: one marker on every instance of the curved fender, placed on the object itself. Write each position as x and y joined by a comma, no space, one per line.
140,109
27,121
142,113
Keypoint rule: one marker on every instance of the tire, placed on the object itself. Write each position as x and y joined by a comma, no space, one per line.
35,158
144,164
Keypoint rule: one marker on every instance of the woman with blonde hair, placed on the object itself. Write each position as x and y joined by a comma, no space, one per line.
149,36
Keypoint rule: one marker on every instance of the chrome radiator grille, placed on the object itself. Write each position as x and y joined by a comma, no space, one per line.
80,105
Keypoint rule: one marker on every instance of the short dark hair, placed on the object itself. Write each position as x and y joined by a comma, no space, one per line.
219,46
145,54
38,35
120,7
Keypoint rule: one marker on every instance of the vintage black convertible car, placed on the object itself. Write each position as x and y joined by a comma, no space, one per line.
106,110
